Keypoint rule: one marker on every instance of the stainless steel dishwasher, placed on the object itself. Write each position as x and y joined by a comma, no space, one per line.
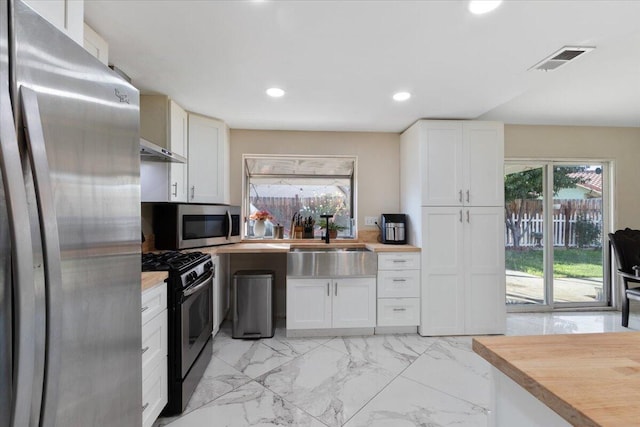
253,314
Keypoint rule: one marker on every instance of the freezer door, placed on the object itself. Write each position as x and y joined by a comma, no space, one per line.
17,292
5,251
85,119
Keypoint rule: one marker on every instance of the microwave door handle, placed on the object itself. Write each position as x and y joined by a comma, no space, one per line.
23,287
36,149
229,225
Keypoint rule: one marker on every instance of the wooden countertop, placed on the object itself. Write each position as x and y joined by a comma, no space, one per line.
152,278
587,379
285,245
258,247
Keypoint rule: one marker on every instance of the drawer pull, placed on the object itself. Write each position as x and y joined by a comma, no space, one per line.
145,406
399,260
144,350
399,309
145,308
399,280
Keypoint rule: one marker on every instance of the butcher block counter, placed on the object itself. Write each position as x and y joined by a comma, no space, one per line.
586,379
152,278
275,246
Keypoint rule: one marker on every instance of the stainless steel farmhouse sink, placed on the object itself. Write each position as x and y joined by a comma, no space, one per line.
331,262
329,249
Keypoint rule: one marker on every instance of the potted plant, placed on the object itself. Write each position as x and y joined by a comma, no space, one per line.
333,228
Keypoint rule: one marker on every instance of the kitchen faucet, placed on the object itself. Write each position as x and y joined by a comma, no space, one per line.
326,229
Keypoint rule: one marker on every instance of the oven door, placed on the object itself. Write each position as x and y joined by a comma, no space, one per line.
196,312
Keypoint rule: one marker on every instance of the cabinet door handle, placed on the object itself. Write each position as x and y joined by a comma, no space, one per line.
193,192
336,289
145,406
467,195
399,309
467,216
175,189
460,215
460,196
144,350
328,291
145,308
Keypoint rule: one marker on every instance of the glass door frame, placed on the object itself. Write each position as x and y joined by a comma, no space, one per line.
607,226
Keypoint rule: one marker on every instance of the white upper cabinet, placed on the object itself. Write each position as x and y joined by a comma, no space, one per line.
462,163
66,15
442,181
483,172
178,143
208,160
96,45
164,123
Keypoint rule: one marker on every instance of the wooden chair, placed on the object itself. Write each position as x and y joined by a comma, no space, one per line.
626,245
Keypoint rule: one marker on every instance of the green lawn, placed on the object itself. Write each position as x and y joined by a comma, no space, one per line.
567,262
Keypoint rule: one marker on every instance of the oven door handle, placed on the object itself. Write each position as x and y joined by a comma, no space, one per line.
201,283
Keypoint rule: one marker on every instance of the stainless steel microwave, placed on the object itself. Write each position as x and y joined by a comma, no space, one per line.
182,226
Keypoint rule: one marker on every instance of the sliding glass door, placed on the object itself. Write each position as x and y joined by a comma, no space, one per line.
555,214
577,235
524,222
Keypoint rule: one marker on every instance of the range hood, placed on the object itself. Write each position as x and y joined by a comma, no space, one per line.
152,152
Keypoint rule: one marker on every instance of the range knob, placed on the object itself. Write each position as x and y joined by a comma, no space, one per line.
191,277
208,265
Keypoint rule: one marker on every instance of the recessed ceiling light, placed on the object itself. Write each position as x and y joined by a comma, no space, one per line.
275,92
479,7
401,96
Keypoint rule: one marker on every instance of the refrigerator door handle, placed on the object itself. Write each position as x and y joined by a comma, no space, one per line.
51,251
23,287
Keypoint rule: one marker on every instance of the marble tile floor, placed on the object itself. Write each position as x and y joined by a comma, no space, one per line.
380,380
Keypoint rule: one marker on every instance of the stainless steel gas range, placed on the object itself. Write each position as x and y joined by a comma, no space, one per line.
190,304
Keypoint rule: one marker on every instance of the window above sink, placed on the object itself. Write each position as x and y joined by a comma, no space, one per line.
310,186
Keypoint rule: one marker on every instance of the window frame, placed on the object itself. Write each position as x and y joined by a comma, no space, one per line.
246,182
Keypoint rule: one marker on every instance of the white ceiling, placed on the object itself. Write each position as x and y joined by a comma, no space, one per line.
340,61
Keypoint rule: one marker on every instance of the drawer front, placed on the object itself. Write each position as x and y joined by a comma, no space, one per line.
398,311
399,261
154,300
399,284
154,392
154,341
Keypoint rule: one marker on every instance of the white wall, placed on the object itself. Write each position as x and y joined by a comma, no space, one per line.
378,178
620,145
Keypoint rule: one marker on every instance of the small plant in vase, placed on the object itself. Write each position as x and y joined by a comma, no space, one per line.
259,218
333,228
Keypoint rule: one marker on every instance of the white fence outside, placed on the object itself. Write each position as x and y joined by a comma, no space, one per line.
532,231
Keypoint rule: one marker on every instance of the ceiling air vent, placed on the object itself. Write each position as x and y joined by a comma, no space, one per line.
561,57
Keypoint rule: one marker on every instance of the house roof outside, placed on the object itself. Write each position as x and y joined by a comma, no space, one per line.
592,180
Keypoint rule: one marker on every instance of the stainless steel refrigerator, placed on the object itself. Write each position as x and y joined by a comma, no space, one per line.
69,232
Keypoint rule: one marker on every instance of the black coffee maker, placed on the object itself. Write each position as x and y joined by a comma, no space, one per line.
394,229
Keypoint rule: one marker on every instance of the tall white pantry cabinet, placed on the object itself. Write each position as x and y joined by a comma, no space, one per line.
452,189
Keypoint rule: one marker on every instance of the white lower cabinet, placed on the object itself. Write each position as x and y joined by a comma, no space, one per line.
398,311
331,303
463,281
154,353
220,294
398,289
